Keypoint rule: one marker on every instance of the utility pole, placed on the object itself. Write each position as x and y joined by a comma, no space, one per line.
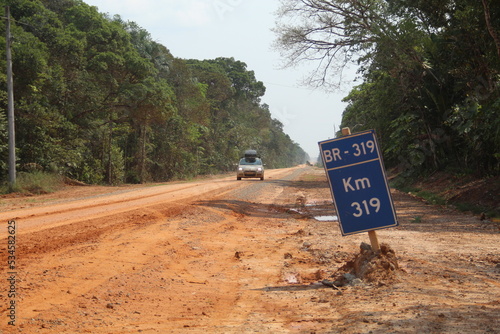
10,105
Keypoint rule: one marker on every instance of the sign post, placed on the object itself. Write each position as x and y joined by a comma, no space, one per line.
360,192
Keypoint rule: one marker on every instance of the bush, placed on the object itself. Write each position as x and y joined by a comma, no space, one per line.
36,182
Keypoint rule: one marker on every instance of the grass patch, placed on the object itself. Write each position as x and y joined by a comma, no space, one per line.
36,183
431,197
476,209
417,219
462,192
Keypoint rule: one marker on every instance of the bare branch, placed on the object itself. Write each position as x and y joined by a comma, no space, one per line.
333,33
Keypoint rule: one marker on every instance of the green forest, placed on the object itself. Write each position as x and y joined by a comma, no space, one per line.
99,101
429,73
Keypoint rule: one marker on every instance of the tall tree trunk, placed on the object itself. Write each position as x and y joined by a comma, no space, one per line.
109,167
142,157
491,30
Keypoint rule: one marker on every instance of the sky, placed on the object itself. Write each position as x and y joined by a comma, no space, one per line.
207,29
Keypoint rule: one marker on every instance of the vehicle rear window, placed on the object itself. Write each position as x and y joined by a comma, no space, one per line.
249,162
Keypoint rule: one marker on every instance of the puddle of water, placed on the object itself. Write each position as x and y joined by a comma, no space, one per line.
316,203
327,218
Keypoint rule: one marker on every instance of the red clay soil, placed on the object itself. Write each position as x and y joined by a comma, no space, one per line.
228,256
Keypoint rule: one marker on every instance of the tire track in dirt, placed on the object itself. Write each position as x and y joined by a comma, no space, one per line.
74,212
67,265
234,260
86,264
43,216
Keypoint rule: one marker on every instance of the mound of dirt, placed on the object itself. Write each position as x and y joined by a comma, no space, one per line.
369,266
465,190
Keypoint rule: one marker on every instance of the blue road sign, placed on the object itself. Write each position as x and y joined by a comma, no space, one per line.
360,192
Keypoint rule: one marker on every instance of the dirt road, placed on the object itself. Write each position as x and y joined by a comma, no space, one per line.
227,256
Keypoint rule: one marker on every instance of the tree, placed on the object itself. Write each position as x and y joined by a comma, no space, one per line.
430,71
97,99
333,34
